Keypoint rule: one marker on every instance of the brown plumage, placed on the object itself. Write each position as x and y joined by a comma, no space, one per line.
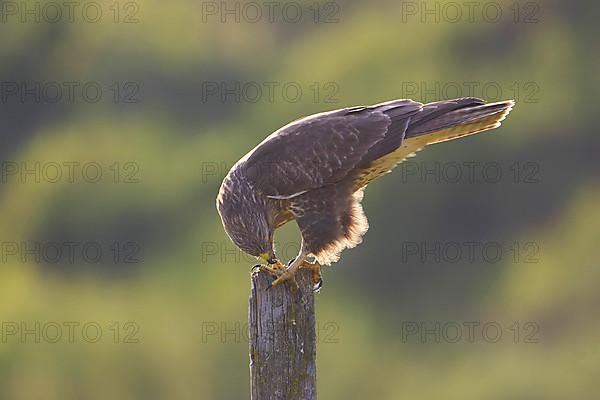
314,170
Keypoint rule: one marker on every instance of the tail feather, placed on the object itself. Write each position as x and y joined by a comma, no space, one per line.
459,122
432,111
437,122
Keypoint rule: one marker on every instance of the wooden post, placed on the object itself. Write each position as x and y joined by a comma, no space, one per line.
283,339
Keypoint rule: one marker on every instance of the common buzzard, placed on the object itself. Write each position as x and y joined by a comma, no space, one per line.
315,169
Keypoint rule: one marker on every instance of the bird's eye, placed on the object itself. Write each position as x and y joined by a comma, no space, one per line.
272,261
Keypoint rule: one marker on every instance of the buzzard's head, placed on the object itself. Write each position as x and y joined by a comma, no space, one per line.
245,217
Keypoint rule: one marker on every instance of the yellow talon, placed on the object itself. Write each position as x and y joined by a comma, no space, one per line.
315,270
270,269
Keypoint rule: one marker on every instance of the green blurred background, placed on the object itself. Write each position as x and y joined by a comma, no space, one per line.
169,292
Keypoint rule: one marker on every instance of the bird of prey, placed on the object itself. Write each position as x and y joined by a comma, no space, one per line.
314,170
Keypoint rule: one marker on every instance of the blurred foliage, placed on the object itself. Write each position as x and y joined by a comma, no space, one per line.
176,138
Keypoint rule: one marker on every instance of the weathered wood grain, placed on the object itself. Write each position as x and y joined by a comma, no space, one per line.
282,339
